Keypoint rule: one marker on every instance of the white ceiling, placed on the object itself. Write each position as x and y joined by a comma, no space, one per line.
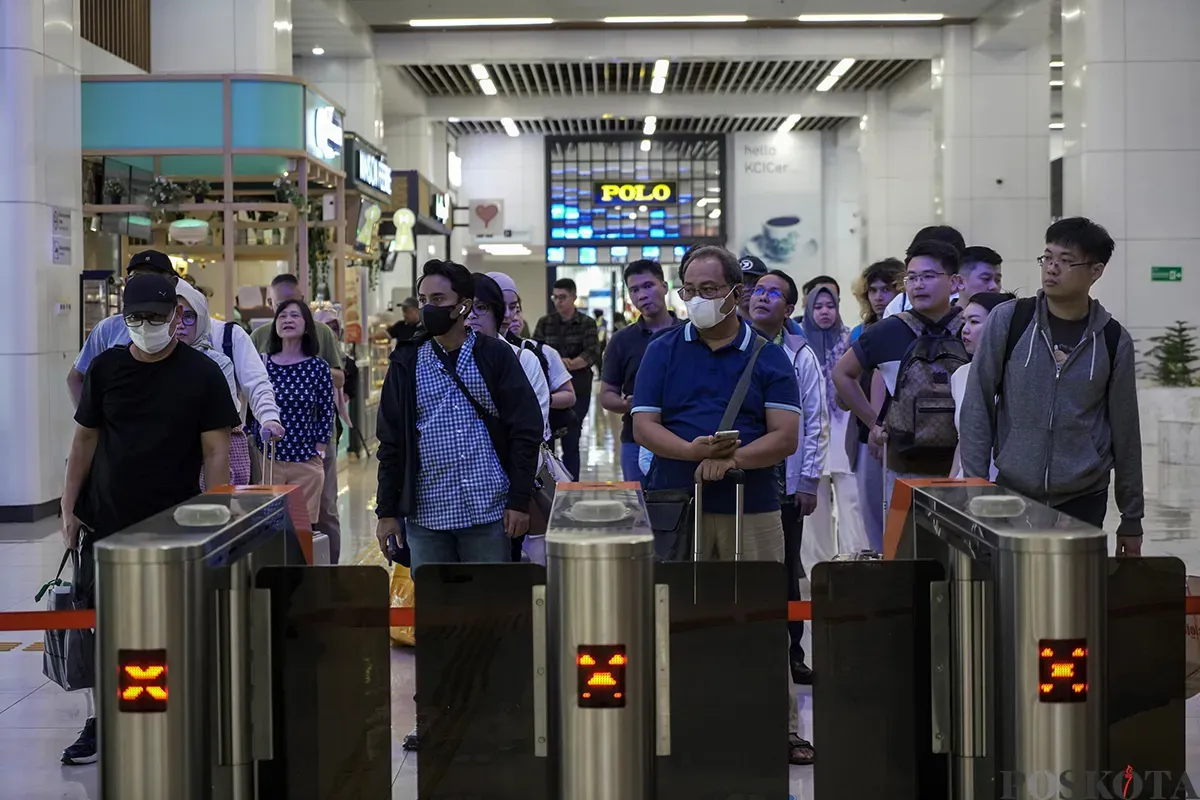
332,25
386,13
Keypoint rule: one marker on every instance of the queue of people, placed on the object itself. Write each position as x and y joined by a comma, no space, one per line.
945,376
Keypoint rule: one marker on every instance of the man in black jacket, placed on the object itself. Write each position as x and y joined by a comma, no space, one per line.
459,431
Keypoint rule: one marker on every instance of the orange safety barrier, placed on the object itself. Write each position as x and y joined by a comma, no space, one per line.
798,611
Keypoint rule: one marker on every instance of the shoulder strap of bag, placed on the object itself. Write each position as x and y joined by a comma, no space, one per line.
452,368
1112,340
1022,316
743,385
227,348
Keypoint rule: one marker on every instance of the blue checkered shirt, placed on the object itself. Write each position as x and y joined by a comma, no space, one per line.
461,483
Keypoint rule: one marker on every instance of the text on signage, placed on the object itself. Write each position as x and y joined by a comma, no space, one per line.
610,193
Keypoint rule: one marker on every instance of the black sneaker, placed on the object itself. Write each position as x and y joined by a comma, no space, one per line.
801,674
84,749
410,741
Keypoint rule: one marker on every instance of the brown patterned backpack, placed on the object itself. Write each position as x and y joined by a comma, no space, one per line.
920,414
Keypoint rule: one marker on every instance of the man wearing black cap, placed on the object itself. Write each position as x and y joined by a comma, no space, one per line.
408,325
111,331
151,414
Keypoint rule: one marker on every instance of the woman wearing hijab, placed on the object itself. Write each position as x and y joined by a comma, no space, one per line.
193,330
829,339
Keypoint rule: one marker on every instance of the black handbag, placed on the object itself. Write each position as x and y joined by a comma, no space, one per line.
670,510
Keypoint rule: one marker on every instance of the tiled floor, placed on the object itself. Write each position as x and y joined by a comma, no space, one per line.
37,719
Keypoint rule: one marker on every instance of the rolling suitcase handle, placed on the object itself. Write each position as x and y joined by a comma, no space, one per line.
739,478
268,457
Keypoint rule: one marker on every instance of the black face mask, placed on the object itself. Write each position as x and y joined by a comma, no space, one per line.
438,320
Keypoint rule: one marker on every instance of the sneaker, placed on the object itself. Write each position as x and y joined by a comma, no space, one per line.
410,741
84,749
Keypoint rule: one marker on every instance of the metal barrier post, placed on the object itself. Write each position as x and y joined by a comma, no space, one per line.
1051,598
601,644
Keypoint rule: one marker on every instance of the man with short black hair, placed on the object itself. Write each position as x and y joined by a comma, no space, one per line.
933,233
648,290
283,288
151,415
1063,368
577,340
929,279
978,271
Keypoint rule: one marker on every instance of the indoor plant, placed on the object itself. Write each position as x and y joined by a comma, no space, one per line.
164,193
198,188
286,192
114,190
1173,355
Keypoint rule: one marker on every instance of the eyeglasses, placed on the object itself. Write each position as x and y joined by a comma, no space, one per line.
770,294
707,292
136,320
560,298
479,309
188,318
1046,261
921,278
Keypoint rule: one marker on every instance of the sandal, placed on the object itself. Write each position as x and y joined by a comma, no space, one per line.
800,750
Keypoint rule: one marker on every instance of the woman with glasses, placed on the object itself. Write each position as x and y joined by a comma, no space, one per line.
193,330
304,390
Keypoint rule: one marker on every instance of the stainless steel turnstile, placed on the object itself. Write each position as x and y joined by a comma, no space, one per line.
179,673
988,637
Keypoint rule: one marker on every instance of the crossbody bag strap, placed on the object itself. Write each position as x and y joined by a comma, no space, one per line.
444,357
743,386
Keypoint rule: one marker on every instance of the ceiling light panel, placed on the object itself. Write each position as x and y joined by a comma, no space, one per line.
852,18
703,19
499,22
510,127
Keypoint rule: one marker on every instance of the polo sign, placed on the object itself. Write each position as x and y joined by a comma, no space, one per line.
608,194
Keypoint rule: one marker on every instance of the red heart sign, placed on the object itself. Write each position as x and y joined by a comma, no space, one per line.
487,213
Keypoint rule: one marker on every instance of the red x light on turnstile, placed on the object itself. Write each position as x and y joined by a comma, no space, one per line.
601,675
142,680
1062,670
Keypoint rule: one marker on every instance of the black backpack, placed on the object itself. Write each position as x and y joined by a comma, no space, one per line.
561,419
1023,315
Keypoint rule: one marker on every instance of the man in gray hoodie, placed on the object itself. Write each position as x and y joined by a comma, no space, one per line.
1052,388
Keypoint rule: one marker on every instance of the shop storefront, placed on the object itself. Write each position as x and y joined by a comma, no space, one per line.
240,178
616,199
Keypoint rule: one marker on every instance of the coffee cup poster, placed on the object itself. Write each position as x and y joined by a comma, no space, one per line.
775,213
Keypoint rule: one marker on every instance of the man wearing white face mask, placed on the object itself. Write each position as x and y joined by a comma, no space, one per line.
150,415
684,388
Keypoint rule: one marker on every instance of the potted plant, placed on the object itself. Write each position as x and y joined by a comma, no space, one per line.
198,188
1175,400
114,190
164,194
286,192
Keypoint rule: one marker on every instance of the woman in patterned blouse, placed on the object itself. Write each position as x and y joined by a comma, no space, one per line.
304,391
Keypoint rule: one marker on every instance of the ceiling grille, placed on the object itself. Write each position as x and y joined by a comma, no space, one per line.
576,79
580,127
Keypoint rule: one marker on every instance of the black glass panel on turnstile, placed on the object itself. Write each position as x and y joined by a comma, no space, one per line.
474,633
1146,658
729,682
331,683
871,695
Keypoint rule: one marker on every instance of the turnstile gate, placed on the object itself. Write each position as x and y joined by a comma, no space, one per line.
230,670
1001,656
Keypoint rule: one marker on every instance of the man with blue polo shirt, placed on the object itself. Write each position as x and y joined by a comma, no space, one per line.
683,387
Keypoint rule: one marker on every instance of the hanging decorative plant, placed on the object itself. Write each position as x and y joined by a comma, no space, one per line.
114,190
286,192
318,262
198,188
164,194
1173,357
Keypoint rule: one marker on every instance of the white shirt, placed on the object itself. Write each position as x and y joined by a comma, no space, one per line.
958,389
559,376
900,303
251,374
537,379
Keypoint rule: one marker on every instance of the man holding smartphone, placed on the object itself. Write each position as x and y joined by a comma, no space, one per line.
648,289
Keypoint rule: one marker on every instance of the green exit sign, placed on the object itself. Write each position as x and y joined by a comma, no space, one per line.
1167,274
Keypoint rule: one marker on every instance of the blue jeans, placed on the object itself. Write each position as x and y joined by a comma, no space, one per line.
630,470
478,544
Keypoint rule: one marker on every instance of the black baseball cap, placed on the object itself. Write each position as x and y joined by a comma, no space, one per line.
410,302
148,293
753,267
153,261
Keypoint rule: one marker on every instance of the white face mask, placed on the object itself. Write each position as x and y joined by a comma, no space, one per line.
706,314
152,338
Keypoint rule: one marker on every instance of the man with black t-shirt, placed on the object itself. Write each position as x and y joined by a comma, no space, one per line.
929,280
151,415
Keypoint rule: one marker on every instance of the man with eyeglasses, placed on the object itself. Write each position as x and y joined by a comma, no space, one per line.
686,381
753,269
929,282
577,340
1064,369
150,416
648,290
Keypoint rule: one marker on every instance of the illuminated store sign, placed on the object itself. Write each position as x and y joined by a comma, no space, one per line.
441,208
374,172
612,193
325,134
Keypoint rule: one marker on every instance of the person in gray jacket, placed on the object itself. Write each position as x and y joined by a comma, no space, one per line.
1060,411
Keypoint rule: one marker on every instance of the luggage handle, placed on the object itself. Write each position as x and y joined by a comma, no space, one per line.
739,479
268,457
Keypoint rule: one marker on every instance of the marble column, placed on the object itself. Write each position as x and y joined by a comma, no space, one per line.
41,227
897,176
1131,142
